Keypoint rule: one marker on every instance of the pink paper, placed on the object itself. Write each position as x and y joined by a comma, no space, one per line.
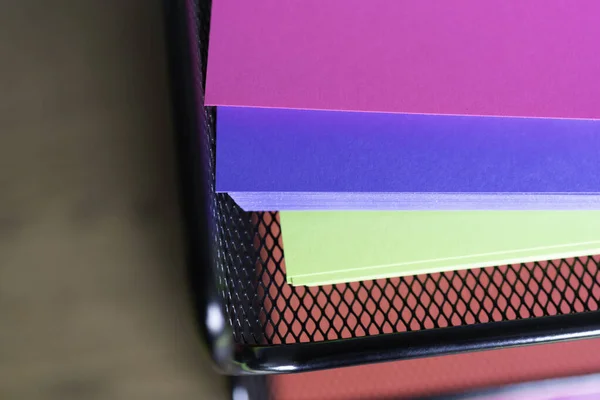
532,58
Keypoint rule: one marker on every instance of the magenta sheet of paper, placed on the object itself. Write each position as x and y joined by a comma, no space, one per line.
531,58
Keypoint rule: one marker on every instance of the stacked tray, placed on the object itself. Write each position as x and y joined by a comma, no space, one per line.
247,312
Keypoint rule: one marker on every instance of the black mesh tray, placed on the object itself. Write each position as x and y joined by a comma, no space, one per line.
253,322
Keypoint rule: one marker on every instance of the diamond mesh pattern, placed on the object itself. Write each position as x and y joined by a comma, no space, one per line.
262,308
301,314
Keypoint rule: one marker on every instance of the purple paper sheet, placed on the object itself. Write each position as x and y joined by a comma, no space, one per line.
299,159
532,58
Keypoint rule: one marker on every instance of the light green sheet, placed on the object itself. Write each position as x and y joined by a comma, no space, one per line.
324,247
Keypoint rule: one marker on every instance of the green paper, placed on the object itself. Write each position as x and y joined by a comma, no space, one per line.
326,247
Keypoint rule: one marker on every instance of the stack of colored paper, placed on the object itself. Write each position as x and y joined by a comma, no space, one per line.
411,105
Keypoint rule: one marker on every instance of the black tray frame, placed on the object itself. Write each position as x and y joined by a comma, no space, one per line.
237,358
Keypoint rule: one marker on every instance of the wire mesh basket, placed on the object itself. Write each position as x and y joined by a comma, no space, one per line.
254,322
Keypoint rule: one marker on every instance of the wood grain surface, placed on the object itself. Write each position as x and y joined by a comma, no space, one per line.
92,283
